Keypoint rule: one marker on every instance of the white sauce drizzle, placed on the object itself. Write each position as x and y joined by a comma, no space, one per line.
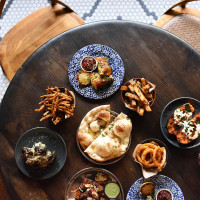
181,116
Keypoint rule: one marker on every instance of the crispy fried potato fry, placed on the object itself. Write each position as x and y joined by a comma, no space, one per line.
141,111
147,108
138,109
149,96
132,96
56,104
134,108
143,81
138,95
124,88
146,87
133,103
131,88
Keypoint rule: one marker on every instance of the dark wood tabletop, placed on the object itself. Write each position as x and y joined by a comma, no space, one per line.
162,58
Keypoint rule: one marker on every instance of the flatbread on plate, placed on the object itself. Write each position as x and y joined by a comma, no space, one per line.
102,137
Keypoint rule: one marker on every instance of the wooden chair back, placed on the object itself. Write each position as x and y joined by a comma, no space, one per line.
32,32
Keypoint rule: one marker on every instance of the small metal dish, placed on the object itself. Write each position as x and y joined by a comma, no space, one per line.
94,66
163,190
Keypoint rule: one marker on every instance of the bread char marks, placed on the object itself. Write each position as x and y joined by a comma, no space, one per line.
108,145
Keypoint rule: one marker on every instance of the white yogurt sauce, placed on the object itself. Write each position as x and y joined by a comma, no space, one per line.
181,116
191,130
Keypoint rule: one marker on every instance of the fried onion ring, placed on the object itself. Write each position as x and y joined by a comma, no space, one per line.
148,152
151,155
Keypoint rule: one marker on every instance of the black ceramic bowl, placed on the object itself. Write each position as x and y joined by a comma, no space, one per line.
108,162
91,172
52,140
166,114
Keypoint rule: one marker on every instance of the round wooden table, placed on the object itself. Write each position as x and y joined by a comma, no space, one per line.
146,51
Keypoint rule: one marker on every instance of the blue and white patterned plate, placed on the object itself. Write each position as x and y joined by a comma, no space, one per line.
160,182
96,50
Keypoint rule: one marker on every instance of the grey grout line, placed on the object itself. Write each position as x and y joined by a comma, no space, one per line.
94,7
119,17
146,10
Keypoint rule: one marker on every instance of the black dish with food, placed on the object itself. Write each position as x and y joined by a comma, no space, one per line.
53,142
167,113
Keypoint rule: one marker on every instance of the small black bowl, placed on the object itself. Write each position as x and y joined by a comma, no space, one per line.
52,140
166,114
108,162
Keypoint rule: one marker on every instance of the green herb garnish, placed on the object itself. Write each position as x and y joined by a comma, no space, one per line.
187,108
110,127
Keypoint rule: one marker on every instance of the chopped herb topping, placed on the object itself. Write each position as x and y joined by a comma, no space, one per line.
110,127
187,108
103,135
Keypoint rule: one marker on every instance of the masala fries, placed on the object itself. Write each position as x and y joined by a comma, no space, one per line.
138,95
57,104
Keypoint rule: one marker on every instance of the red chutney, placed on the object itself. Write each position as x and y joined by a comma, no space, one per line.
164,195
88,63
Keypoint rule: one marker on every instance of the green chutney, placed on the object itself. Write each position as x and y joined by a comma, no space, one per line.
112,190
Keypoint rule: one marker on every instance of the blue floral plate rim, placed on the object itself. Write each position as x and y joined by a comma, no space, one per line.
160,182
96,50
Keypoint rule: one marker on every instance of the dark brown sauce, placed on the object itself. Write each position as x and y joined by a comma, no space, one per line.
88,63
164,195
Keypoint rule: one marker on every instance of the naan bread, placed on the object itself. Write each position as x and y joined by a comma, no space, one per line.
88,130
113,141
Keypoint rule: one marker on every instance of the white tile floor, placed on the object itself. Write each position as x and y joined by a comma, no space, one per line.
147,11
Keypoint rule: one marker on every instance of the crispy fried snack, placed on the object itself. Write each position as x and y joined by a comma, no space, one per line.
138,95
151,155
56,104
